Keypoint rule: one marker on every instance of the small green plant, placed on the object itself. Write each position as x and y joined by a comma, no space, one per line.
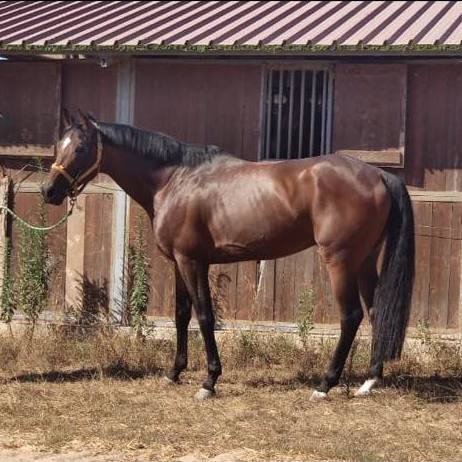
34,268
7,297
139,290
423,331
305,323
248,346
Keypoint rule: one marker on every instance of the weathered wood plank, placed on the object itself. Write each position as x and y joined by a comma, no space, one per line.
439,266
75,252
284,299
420,301
27,150
455,267
265,290
385,157
246,287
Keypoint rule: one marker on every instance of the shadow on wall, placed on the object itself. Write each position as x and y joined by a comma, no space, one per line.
92,306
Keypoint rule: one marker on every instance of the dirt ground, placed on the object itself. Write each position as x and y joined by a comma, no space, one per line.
31,456
104,399
272,419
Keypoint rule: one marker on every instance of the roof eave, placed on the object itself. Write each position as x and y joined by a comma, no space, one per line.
237,49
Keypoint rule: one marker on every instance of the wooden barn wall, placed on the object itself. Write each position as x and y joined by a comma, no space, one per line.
189,107
220,103
432,160
433,165
29,102
41,90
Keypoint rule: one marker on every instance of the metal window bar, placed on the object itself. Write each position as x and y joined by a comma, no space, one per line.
278,133
302,110
330,105
313,108
291,109
268,114
323,113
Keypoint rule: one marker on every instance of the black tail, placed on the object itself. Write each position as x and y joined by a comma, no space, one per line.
392,299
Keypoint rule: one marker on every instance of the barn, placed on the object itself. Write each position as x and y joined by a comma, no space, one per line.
379,80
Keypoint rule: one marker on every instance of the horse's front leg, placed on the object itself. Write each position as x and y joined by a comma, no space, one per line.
182,318
195,277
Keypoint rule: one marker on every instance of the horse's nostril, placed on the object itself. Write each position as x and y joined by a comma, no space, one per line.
48,192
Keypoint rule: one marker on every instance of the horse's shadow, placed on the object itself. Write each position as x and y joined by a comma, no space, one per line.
428,388
118,372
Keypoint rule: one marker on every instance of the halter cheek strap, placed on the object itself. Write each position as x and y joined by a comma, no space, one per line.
77,181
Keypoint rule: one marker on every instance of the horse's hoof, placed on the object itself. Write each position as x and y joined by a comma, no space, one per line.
366,388
204,394
319,396
169,381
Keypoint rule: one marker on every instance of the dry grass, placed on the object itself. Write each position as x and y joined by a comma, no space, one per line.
104,392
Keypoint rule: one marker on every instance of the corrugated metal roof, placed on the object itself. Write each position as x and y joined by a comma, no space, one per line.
232,25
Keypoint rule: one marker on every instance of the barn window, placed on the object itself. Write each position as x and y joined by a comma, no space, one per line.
296,113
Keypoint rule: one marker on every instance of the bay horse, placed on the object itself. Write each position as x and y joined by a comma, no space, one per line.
207,207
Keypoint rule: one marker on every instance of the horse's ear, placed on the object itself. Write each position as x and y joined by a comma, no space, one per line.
88,121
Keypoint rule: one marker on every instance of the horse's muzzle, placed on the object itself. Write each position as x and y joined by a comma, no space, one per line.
52,195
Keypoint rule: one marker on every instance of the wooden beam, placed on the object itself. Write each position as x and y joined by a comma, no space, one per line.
27,150
436,196
75,254
125,105
383,158
92,188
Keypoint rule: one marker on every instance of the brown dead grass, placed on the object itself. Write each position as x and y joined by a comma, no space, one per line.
105,392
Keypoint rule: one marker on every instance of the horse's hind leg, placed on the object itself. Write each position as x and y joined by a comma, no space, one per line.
182,318
195,277
346,295
368,279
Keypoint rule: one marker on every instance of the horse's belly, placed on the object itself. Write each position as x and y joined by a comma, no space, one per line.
248,243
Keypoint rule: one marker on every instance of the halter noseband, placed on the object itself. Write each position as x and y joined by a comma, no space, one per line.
78,180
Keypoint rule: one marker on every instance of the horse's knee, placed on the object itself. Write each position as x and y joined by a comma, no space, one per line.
205,320
353,318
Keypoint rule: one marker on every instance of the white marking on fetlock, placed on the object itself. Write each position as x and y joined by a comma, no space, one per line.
319,396
366,387
204,394
169,381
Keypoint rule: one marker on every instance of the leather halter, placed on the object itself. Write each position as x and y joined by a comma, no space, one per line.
76,182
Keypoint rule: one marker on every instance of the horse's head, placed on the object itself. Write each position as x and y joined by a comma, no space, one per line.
78,157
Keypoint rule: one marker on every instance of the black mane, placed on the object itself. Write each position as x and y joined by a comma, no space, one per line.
164,150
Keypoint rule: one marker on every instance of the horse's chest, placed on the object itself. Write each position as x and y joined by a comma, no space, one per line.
163,235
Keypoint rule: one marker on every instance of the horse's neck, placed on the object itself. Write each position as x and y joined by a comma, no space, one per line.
135,175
